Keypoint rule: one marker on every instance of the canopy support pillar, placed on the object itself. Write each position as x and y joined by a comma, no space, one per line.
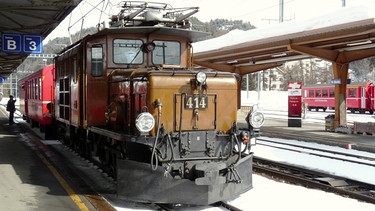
340,63
340,71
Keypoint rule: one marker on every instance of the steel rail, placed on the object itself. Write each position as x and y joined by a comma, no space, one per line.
260,140
310,178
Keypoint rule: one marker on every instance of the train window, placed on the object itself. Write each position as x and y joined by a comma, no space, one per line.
352,92
75,73
318,93
325,93
97,60
332,93
40,89
127,51
166,52
36,89
29,90
311,93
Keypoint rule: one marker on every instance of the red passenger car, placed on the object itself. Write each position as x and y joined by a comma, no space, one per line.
359,97
36,95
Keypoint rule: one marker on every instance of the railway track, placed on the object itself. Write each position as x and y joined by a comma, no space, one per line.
332,154
317,179
226,206
220,204
92,196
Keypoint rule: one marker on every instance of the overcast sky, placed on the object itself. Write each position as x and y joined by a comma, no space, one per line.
258,12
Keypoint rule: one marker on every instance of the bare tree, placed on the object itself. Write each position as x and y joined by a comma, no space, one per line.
362,70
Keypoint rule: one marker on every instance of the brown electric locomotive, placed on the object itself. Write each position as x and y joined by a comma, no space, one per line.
128,98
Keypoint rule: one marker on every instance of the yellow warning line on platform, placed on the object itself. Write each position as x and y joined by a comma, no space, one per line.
64,184
59,178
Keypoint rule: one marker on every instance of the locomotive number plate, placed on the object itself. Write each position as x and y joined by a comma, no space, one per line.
196,102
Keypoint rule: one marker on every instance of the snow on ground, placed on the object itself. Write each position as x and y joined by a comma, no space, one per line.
274,104
350,170
271,195
266,100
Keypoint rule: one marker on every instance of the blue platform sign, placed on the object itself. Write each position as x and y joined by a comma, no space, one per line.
22,43
3,79
336,81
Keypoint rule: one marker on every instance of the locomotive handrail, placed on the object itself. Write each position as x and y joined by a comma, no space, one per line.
154,167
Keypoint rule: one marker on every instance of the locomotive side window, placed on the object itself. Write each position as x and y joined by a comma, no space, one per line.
127,51
97,61
75,72
166,52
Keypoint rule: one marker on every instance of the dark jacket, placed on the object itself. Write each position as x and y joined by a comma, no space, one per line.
10,105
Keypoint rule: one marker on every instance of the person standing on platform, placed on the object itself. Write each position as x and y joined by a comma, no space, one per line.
11,108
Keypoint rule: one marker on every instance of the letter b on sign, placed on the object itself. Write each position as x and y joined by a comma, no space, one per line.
21,43
11,43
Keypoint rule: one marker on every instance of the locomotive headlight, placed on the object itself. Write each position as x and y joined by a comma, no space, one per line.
255,119
145,122
201,77
148,47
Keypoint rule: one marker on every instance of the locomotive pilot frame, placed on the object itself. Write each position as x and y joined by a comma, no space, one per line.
128,98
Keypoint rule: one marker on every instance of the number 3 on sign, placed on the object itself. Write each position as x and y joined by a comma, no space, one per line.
32,46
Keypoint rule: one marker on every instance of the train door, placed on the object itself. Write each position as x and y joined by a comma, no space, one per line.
363,97
96,83
23,98
370,94
74,91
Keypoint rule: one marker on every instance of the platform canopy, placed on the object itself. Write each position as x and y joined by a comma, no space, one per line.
28,17
350,29
342,36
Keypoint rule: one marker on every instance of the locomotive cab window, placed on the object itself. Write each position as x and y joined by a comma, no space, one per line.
166,52
127,51
97,61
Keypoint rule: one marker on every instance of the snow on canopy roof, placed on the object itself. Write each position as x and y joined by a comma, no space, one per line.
326,22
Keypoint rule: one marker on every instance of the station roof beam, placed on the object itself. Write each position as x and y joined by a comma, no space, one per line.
341,37
39,17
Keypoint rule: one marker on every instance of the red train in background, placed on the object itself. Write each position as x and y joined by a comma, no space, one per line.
36,94
360,97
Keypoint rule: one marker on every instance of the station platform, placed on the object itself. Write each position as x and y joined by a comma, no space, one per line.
29,179
316,132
